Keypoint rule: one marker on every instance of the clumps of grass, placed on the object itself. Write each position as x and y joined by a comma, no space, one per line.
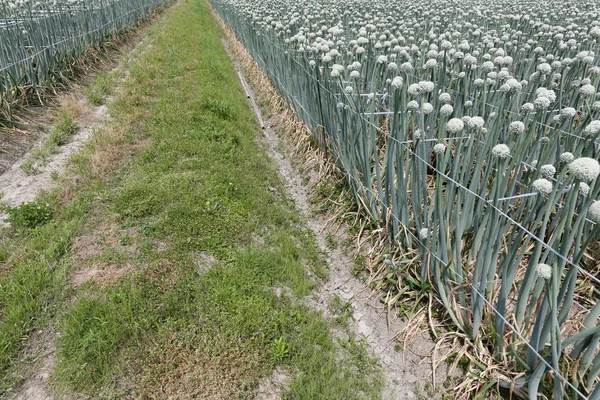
218,107
29,215
60,133
102,87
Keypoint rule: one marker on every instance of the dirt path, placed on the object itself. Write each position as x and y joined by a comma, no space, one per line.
17,187
408,368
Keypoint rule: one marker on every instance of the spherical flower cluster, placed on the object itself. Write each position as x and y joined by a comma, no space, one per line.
584,189
567,157
424,234
528,107
446,110
516,127
543,186
412,105
542,103
476,122
544,68
584,169
587,90
427,86
445,98
547,171
568,112
500,151
455,125
414,89
439,148
544,271
592,129
427,108
397,82
594,212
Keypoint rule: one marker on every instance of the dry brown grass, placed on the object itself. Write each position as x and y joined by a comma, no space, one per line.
175,368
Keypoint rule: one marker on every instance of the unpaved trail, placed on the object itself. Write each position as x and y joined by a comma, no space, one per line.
407,369
17,187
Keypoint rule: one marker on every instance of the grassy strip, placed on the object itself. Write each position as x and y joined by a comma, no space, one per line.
60,133
215,259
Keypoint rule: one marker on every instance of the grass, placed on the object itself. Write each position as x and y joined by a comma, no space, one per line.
60,133
102,86
178,174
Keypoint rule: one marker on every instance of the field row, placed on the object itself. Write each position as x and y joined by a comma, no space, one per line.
471,133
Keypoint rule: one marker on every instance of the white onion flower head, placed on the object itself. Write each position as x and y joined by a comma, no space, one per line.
542,103
427,86
547,171
455,125
468,104
427,108
515,85
568,112
431,63
567,157
596,106
412,105
500,151
544,68
584,189
476,122
414,89
587,91
423,233
397,82
446,110
349,90
528,107
517,127
445,98
543,186
439,148
592,129
585,169
594,212
406,67
355,74
544,271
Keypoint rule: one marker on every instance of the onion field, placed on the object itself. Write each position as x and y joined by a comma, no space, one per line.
40,41
470,130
